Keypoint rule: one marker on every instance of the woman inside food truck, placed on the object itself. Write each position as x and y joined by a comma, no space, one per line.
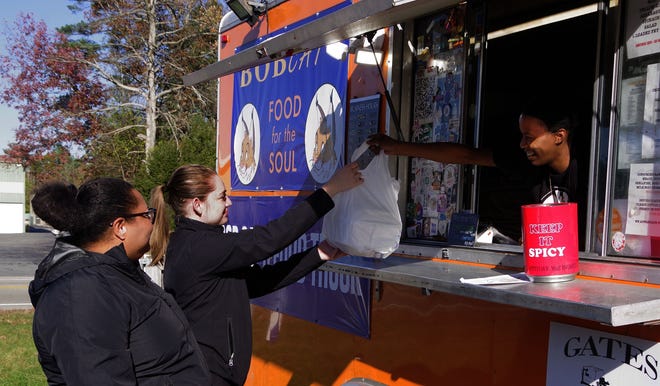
550,174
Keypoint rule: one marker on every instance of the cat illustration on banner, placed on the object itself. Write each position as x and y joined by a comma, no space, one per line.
246,143
325,136
322,134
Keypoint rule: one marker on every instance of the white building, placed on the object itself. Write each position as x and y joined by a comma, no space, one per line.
12,198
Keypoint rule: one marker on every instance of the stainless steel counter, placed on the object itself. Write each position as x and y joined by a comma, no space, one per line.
607,302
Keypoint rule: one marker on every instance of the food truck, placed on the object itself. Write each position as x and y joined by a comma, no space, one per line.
454,304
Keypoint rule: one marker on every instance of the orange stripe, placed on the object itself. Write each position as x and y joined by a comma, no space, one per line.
470,263
593,278
617,281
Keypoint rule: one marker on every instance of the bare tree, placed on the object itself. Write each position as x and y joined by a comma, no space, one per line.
144,47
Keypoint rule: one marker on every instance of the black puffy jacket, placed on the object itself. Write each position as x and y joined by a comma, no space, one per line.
213,275
99,320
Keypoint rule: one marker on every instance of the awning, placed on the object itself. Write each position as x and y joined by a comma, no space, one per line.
354,20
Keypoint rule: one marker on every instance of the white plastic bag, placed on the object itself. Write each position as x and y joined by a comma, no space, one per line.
366,220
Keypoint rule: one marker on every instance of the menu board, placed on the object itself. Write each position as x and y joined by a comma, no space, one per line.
644,200
363,116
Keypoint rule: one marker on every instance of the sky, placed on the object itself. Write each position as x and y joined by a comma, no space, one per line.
56,14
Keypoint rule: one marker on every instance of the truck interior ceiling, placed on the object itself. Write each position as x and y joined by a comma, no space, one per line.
558,60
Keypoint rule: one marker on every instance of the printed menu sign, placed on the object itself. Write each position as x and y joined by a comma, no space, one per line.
362,122
643,28
644,200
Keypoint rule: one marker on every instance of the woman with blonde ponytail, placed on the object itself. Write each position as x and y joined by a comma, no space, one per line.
161,231
213,274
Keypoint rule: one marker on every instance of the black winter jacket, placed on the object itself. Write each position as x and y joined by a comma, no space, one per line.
99,320
212,276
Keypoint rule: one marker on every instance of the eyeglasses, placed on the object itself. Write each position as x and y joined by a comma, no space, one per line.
150,214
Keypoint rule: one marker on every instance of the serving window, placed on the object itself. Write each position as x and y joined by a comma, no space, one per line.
458,97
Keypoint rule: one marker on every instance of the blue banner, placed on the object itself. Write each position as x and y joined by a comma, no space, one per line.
288,122
331,299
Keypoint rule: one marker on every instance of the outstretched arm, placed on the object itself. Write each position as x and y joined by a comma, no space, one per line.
269,278
226,251
445,152
262,280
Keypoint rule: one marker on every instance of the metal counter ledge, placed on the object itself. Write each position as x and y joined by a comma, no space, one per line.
609,302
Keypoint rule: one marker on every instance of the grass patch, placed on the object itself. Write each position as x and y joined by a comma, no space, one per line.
18,356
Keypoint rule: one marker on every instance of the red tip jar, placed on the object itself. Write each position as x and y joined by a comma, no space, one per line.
550,242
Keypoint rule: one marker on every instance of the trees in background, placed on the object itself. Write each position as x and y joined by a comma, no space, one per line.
58,98
146,47
169,154
109,88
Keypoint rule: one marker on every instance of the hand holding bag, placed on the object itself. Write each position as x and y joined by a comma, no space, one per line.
366,220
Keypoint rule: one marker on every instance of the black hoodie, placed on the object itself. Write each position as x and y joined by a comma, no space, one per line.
100,320
213,275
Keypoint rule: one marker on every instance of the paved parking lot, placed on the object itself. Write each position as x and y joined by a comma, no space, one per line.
20,255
